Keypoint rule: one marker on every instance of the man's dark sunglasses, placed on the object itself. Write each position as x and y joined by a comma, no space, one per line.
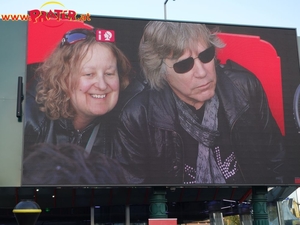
187,64
76,35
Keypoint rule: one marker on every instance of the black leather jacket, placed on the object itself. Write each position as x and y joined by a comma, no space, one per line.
148,141
40,129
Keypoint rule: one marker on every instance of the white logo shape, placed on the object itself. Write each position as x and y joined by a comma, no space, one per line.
107,35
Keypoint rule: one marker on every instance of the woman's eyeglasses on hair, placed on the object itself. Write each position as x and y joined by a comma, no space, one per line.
187,64
76,35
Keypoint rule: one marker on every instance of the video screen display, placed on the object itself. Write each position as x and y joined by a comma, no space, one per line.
135,102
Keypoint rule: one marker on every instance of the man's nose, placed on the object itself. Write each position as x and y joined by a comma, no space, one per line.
199,68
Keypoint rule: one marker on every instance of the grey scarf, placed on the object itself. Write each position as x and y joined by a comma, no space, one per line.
205,133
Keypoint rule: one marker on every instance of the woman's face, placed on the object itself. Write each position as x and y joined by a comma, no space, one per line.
97,89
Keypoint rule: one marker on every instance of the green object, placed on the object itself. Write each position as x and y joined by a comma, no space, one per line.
158,206
259,205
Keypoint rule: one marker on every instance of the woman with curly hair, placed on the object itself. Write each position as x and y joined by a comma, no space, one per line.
78,85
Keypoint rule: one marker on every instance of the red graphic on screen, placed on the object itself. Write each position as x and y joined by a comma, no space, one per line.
261,58
44,37
105,35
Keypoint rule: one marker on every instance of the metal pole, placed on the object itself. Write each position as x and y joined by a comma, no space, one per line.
92,215
279,213
165,8
127,215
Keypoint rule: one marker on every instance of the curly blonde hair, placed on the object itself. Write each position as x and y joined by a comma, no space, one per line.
57,76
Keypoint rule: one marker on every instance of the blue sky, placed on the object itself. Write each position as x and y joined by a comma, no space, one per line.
276,13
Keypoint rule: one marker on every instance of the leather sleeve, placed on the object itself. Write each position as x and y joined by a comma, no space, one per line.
130,140
256,134
34,121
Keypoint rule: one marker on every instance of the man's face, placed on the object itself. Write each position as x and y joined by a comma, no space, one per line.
198,84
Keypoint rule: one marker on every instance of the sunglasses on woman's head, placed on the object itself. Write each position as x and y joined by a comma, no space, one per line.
76,35
186,65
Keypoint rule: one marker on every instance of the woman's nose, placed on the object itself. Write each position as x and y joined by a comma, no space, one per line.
100,82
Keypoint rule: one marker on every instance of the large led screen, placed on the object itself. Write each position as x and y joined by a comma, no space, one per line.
129,102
